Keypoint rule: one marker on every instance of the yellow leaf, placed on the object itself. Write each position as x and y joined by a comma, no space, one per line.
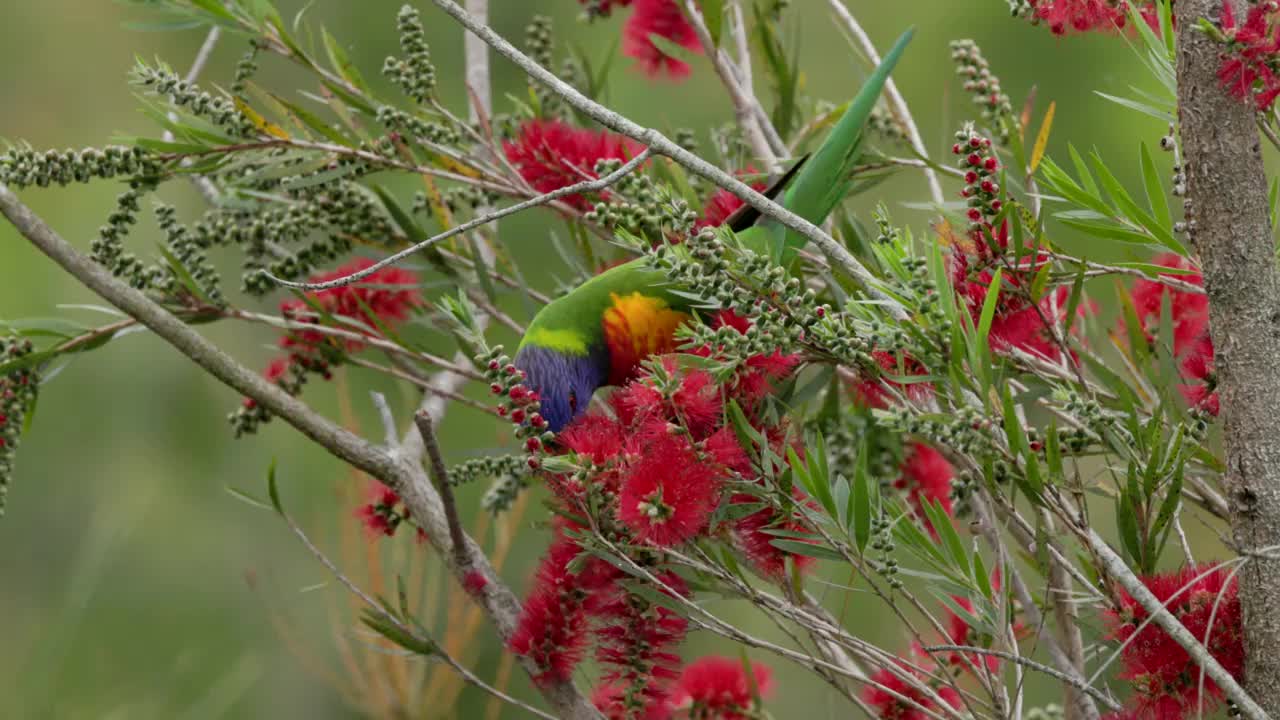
444,162
262,124
1042,140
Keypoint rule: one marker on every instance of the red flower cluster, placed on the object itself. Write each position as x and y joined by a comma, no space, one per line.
1018,323
718,688
653,471
635,644
384,299
1192,347
1250,67
709,688
550,155
575,602
894,698
385,513
1063,16
663,18
554,629
1165,679
926,477
667,454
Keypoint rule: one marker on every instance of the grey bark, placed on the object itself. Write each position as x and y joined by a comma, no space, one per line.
1231,230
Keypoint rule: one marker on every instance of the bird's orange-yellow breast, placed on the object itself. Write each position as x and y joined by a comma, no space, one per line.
635,327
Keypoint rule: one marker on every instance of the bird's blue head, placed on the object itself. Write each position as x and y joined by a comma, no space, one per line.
565,382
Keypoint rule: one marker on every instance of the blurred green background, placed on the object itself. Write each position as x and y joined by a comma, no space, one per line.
132,585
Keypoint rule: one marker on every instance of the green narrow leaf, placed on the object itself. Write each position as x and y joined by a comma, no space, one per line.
862,507
246,497
1127,524
989,306
341,62
941,523
1154,187
982,578
807,549
273,491
1162,232
1086,178
1073,300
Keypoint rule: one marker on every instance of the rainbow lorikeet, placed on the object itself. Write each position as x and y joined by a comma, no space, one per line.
597,334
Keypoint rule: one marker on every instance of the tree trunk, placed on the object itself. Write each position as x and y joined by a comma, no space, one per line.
1230,228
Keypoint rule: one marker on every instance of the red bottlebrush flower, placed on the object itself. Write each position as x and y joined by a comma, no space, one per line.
1192,347
756,378
384,298
723,203
594,436
1249,67
926,476
665,19
668,495
693,400
893,698
757,545
611,700
375,522
635,644
725,448
1063,16
278,368
380,515
718,687
554,624
874,393
1165,679
388,295
1017,324
550,155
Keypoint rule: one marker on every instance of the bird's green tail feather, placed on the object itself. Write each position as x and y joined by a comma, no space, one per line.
825,178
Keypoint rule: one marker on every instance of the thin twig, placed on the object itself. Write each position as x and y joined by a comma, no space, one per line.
386,417
661,144
897,104
587,186
1069,679
743,100
440,476
202,184
747,82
